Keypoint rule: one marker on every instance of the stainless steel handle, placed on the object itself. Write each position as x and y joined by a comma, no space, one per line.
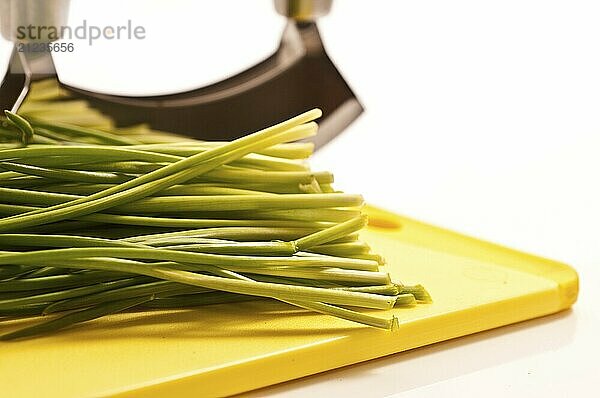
16,16
303,10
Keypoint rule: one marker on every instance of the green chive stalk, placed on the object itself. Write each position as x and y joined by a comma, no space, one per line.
96,220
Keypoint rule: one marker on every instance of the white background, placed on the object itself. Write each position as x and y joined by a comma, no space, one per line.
482,116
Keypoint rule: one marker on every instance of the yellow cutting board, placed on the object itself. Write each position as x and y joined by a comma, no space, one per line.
226,349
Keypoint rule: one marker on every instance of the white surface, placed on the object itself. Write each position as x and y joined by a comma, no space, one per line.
483,117
188,44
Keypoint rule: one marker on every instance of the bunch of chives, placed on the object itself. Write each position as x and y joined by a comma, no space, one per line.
95,221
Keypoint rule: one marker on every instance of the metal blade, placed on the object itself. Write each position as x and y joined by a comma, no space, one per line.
298,77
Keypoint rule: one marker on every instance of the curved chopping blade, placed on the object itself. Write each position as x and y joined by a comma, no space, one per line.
298,77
